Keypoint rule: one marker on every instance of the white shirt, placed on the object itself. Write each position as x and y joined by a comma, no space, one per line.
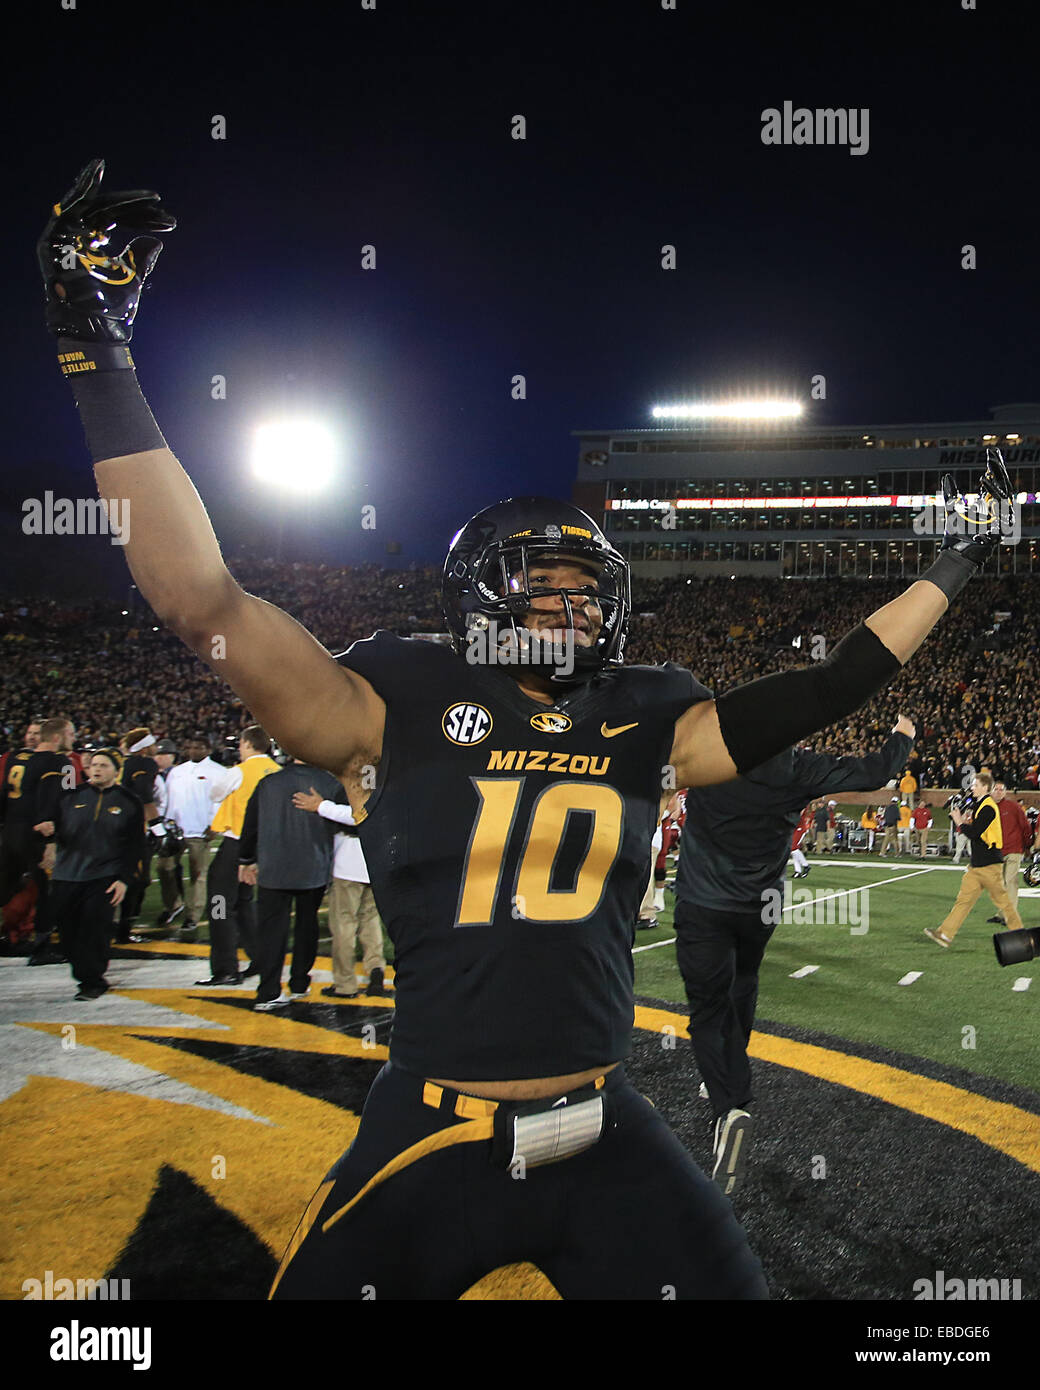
189,795
225,781
348,860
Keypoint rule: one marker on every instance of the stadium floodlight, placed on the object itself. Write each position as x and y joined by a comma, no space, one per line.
295,455
729,410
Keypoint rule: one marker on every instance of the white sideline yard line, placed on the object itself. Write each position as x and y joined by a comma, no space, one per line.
846,891
1023,982
910,977
805,970
867,864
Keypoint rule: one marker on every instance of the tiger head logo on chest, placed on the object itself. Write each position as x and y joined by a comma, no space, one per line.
551,722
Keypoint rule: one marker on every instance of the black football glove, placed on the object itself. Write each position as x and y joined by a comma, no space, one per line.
971,534
92,295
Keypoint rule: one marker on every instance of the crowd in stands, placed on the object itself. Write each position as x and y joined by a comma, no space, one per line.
973,690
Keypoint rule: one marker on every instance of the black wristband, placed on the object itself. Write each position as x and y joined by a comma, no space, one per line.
950,572
115,415
77,357
762,719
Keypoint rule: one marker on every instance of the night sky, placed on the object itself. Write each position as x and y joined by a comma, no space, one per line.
497,256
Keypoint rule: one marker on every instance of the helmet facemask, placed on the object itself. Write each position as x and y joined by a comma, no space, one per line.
487,581
506,595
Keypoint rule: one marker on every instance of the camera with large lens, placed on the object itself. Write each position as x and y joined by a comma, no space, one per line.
1017,947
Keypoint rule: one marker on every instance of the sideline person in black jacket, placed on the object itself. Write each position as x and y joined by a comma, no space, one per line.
100,835
732,862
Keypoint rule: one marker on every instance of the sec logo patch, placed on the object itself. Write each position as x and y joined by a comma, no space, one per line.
466,723
547,723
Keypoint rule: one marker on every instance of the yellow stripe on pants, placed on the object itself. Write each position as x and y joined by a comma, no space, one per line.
470,1132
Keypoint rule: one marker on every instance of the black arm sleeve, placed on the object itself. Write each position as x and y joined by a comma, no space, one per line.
761,719
821,773
250,827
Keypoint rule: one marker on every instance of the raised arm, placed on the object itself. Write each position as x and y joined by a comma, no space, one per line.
821,774
315,709
717,740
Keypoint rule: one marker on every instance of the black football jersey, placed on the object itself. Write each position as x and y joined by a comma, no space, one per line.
34,783
508,844
15,808
139,774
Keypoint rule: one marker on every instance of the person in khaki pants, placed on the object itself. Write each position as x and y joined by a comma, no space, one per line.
986,874
353,915
922,822
891,822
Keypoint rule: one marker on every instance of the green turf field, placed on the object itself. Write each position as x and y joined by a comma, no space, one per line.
855,992
863,946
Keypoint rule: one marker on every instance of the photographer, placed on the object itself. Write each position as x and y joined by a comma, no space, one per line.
982,829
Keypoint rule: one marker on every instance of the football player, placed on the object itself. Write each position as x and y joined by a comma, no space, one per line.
505,808
728,888
31,792
32,738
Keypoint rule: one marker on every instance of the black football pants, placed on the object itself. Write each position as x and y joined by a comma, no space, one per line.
719,954
273,906
632,1217
231,911
87,918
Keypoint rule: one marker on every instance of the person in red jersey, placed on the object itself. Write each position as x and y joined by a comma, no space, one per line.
1017,835
921,820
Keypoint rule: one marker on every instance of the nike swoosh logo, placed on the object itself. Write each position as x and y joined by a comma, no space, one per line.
555,1103
610,733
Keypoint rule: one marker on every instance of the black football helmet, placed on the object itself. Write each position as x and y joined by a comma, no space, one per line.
487,575
172,846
